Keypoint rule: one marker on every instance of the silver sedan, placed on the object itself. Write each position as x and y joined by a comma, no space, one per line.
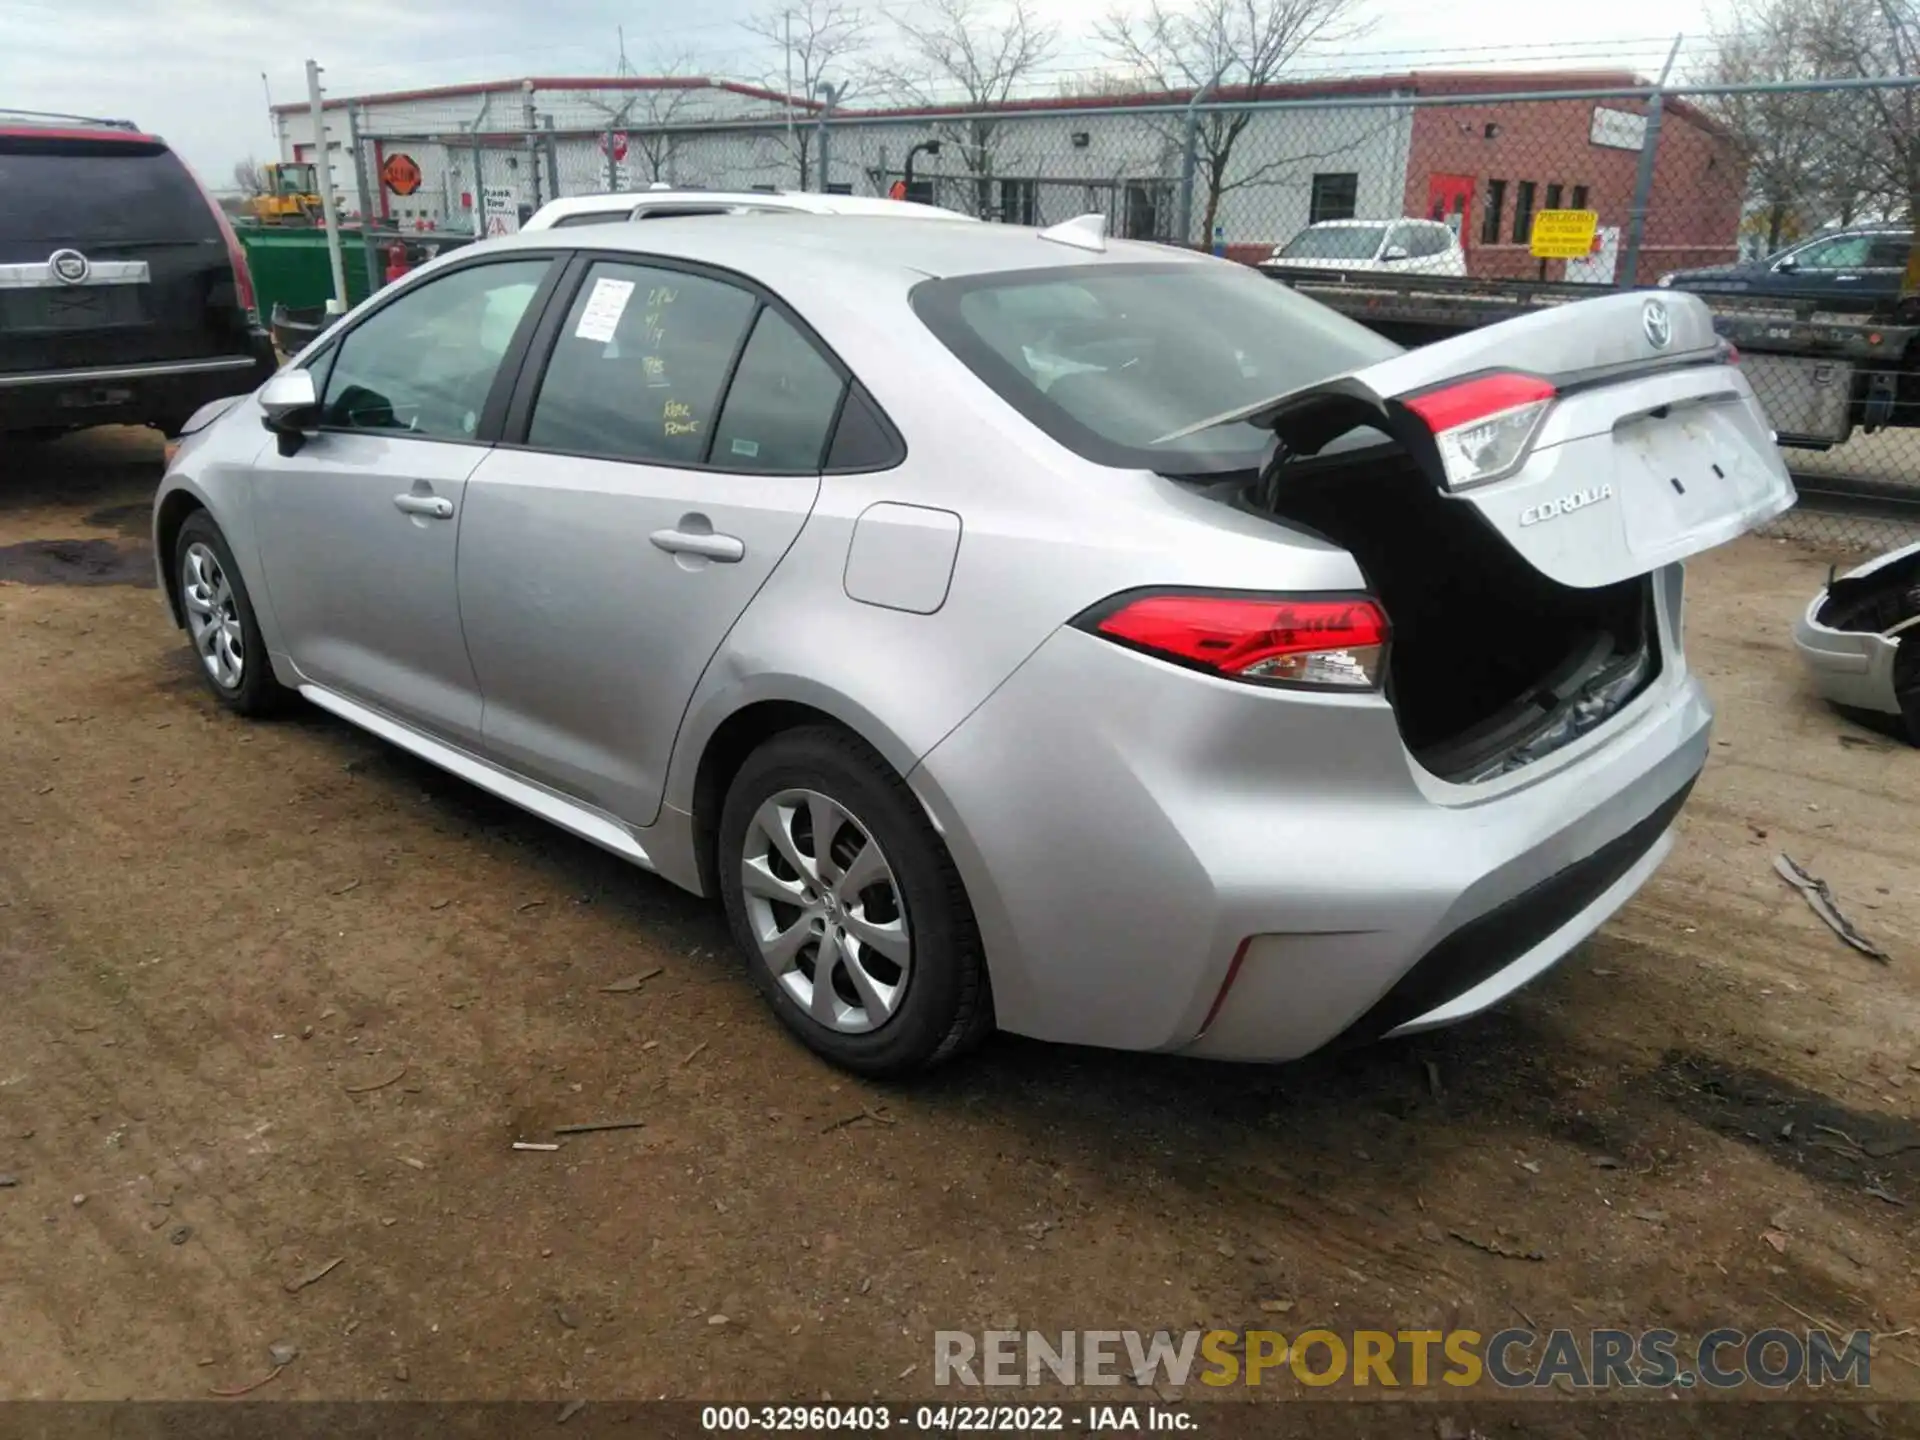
1011,628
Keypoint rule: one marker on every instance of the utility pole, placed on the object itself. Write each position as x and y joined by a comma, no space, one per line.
829,91
788,92
1643,177
324,168
273,121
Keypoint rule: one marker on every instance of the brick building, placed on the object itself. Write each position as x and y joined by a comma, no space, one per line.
1495,164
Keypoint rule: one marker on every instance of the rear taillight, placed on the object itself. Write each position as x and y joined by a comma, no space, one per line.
1273,639
236,253
1483,426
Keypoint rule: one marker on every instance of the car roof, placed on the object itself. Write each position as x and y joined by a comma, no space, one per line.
850,252
796,201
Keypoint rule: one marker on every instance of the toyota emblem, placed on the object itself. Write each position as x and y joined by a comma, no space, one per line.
1654,321
69,267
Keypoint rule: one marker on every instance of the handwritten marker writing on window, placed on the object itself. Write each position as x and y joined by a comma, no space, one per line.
676,418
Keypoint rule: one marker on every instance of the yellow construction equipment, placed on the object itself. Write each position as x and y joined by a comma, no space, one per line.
291,197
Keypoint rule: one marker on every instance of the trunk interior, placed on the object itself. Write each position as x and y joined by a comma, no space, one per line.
1491,664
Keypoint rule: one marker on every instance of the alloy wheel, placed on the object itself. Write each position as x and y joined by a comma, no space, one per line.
213,615
826,911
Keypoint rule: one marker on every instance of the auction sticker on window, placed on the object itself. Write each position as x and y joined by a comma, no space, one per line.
606,303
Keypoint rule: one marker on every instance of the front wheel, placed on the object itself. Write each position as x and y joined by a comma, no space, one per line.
220,621
854,923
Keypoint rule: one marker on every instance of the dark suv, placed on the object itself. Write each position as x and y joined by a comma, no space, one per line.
124,295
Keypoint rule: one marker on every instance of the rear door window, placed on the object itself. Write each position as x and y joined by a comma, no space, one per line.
638,368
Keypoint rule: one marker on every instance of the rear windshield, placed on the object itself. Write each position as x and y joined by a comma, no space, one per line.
89,192
1334,242
1108,359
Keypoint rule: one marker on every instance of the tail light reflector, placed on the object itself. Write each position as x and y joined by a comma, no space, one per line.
236,252
1319,641
1483,426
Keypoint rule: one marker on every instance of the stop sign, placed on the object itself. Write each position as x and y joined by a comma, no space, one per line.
614,144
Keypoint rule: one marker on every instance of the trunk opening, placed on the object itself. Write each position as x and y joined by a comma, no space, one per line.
1491,664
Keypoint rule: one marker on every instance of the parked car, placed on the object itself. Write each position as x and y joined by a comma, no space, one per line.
1011,628
1860,639
124,296
663,204
1859,269
1392,247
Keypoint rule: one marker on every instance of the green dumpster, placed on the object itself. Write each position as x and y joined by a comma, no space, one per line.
290,266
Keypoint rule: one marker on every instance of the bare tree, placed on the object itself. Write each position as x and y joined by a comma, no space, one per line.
648,114
1875,132
1865,143
250,177
976,54
817,40
1797,177
1208,44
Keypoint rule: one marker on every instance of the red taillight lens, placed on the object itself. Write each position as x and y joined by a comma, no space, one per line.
1288,640
1483,426
236,253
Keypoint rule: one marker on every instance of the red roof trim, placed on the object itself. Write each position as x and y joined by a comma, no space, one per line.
73,132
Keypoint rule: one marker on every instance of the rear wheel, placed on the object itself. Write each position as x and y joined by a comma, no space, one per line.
854,923
221,624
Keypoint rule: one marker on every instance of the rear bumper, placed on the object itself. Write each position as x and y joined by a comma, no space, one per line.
1848,667
132,394
1120,855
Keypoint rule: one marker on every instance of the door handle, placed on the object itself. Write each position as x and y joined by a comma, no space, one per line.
434,507
727,549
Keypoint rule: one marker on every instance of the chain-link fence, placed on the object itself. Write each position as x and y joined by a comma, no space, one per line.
1421,205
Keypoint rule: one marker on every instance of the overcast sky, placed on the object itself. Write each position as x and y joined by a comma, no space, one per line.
191,69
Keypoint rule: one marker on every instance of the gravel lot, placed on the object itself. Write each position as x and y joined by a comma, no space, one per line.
277,996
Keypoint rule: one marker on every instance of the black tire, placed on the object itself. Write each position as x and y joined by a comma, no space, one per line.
256,692
1906,685
946,1007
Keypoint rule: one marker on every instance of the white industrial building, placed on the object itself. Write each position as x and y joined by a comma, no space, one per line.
443,158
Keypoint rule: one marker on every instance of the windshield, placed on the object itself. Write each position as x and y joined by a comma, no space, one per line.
296,179
1334,242
1107,358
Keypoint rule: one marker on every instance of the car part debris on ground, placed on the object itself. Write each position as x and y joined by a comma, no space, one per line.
1819,896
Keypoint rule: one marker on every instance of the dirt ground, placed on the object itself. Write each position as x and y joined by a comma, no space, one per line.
274,996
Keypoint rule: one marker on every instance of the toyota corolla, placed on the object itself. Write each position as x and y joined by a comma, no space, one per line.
1011,628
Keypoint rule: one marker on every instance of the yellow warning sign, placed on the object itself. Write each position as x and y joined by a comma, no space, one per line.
1564,234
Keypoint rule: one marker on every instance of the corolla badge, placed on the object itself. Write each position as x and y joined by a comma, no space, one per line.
1565,505
1658,325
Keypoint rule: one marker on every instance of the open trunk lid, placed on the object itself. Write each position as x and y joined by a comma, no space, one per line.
1601,440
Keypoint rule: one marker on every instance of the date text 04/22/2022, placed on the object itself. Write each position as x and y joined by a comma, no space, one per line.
945,1419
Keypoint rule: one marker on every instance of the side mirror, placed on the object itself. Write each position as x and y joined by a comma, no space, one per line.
290,408
1786,266
1394,252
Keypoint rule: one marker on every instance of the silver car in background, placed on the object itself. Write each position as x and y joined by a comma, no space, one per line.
1011,628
